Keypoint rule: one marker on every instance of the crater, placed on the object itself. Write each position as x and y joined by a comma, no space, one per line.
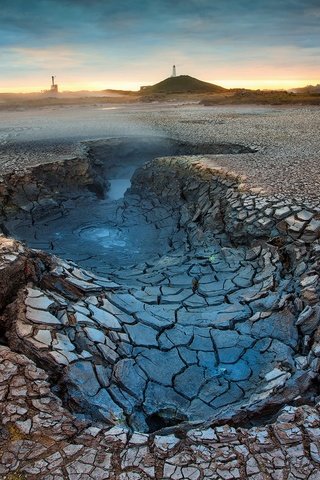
89,230
167,310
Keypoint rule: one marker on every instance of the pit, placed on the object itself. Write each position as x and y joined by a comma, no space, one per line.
165,312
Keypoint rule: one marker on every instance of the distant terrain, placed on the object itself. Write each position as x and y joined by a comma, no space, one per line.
173,89
182,84
16,101
262,97
308,89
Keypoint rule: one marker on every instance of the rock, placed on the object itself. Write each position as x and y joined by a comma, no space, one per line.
142,335
274,374
160,366
44,336
82,375
281,213
109,355
95,335
309,280
308,320
62,342
165,444
105,319
130,377
39,303
189,382
304,215
40,316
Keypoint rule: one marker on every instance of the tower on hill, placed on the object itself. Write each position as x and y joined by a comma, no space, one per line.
174,72
54,89
54,86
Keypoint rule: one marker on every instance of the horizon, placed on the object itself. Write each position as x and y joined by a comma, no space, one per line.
94,87
95,45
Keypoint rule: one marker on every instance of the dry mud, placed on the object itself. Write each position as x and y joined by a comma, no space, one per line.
166,328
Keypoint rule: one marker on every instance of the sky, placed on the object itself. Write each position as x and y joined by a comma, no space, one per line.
123,44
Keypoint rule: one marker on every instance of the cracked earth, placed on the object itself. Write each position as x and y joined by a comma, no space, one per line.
170,330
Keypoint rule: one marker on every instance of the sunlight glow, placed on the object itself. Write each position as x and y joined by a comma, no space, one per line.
135,86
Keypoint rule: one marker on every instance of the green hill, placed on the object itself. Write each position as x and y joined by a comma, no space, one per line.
182,84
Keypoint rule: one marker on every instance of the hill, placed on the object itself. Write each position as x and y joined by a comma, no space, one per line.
182,84
308,89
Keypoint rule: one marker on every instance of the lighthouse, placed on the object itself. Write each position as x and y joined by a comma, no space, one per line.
54,86
174,72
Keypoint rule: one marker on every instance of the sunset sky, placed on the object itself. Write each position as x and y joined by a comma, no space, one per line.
97,44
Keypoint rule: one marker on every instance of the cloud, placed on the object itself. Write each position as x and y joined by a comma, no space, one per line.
67,35
84,20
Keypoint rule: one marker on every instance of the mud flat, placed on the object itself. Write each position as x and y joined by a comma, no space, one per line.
168,330
286,139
